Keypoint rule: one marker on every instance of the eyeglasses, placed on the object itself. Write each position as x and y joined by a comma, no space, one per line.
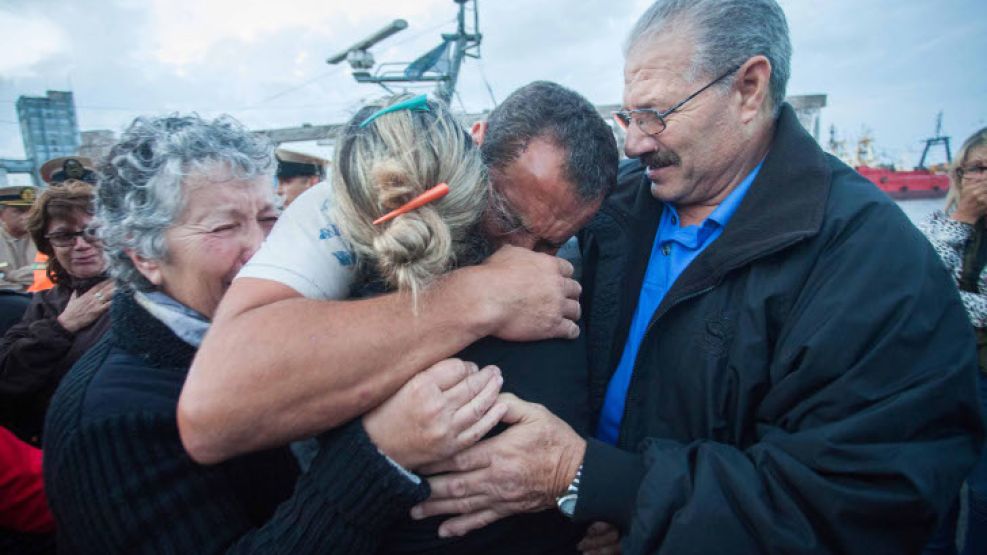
651,121
971,171
67,238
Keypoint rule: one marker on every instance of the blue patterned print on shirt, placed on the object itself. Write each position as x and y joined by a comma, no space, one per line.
345,258
329,232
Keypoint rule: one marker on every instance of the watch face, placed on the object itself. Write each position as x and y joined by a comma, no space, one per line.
567,504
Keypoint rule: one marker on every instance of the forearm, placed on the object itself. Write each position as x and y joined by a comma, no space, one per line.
296,367
347,500
609,484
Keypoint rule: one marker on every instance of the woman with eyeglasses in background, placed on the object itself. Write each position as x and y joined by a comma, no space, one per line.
61,323
958,235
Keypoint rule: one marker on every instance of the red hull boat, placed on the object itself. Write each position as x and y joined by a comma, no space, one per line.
917,183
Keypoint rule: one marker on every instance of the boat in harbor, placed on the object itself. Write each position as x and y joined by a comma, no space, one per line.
898,184
920,182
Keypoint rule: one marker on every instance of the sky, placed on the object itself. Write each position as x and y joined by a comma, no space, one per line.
887,66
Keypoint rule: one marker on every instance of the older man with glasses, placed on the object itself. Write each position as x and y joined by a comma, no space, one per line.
779,360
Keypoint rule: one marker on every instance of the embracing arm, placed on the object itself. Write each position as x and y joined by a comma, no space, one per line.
276,367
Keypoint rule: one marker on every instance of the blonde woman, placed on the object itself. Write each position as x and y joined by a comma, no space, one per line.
412,157
958,235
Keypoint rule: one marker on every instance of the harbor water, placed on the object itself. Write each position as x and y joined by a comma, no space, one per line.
919,209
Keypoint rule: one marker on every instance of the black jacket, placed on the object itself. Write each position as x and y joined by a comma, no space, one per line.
119,481
806,385
37,352
552,373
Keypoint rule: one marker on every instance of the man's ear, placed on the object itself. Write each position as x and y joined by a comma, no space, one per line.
148,268
479,130
754,84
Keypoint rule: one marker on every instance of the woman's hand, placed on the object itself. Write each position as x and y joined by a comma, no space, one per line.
438,413
84,309
972,204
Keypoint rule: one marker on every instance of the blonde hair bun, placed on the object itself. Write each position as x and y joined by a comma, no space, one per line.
382,166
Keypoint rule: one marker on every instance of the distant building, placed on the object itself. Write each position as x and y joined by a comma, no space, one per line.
807,108
49,127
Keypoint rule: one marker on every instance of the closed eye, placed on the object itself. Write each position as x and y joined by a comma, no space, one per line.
224,227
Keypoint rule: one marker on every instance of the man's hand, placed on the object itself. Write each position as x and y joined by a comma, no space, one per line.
438,413
521,470
601,539
84,309
531,296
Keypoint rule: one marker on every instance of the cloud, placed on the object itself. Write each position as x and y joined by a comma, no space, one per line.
26,40
886,64
186,31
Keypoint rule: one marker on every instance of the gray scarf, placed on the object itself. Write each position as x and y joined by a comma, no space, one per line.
187,324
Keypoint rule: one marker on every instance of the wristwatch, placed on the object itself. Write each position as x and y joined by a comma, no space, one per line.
567,503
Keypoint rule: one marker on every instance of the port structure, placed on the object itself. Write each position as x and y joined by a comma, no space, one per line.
939,139
439,65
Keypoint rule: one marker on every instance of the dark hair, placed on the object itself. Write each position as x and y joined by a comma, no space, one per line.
546,110
66,202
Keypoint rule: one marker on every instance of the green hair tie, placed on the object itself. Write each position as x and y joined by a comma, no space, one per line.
416,104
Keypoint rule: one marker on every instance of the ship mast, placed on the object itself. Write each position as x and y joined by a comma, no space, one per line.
933,141
439,65
865,149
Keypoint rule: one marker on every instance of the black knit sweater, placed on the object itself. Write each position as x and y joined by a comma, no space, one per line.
119,481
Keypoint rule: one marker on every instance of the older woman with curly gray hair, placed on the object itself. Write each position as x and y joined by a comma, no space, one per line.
183,204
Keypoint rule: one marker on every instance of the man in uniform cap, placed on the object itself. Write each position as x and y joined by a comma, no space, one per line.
57,170
296,173
17,250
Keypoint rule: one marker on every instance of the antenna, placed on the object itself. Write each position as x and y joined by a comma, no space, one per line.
440,65
357,54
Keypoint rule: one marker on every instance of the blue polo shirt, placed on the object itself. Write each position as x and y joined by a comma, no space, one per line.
673,250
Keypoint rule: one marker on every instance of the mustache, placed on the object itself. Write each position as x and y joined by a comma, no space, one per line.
660,159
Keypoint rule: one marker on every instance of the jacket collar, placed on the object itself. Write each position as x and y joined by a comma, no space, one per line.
144,336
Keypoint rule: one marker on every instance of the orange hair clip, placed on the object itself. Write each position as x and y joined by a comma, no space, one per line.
431,195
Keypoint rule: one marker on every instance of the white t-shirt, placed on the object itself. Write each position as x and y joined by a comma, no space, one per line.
305,250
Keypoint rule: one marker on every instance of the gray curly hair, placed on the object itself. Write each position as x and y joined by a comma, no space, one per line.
140,194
